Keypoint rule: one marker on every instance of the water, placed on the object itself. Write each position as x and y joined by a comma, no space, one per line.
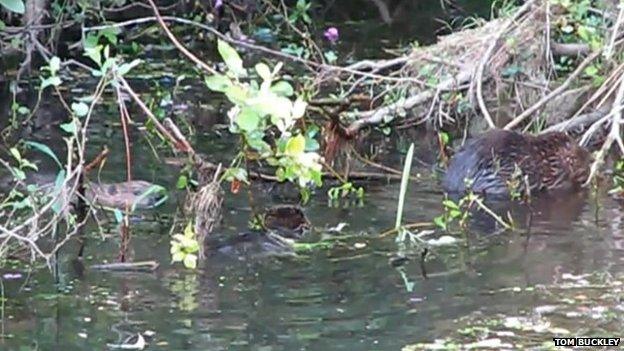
348,297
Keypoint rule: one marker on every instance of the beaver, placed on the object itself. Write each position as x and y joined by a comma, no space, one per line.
137,194
500,162
282,226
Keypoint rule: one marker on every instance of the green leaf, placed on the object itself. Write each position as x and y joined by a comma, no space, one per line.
236,94
218,83
58,184
16,154
69,127
16,6
91,41
55,65
248,120
264,71
283,88
80,109
126,67
182,182
439,221
118,215
330,56
237,173
189,230
295,145
190,261
299,108
92,49
177,256
45,149
312,144
19,174
450,204
27,164
591,70
258,144
110,34
54,80
231,58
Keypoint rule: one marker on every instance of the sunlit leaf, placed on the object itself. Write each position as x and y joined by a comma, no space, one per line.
54,80
190,261
299,108
263,71
236,94
16,6
248,120
231,58
126,67
295,145
182,182
440,222
282,88
23,110
19,174
69,127
16,154
189,231
55,64
80,109
218,83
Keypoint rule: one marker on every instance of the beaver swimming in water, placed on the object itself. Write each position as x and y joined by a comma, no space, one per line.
500,162
282,226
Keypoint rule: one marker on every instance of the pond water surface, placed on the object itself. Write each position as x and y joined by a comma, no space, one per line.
348,297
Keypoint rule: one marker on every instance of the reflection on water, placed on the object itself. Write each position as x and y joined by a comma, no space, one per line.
344,298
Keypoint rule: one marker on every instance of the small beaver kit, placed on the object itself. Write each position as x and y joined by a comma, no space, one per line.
502,162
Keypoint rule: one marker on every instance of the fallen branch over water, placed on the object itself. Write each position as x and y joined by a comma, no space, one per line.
143,266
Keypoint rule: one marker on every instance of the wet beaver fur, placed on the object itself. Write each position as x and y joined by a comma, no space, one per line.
501,161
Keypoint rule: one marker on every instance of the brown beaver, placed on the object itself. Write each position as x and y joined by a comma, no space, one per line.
500,162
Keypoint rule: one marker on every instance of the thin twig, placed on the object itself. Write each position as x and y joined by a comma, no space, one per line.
175,41
614,134
558,91
486,58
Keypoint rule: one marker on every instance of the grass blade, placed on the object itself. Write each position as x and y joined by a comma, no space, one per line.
404,181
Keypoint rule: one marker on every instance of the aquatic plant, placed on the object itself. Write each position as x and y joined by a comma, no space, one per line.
184,247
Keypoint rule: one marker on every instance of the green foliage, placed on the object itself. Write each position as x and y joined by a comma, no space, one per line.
53,79
459,212
344,191
453,211
618,177
261,106
16,6
578,24
46,150
27,197
184,247
301,12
